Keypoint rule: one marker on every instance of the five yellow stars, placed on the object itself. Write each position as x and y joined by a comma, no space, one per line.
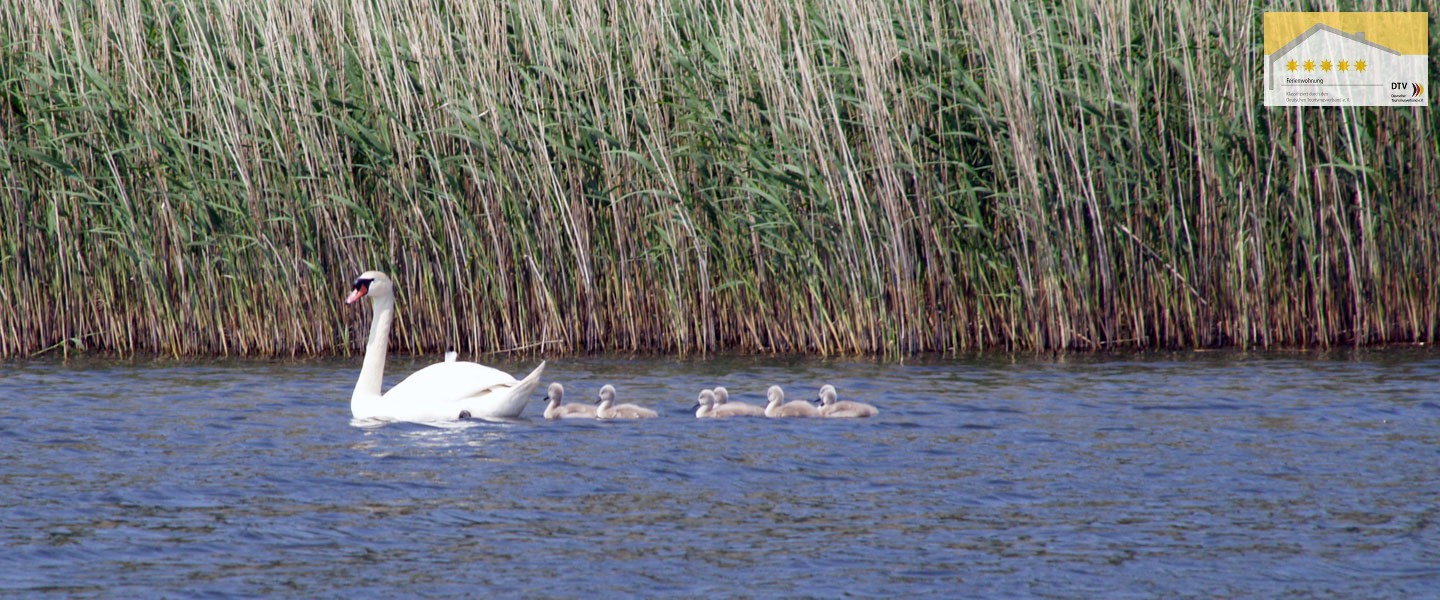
1326,66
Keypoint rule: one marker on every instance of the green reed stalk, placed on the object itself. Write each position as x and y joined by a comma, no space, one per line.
832,177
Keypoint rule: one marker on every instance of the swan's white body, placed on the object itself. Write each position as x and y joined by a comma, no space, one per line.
777,407
440,392
843,409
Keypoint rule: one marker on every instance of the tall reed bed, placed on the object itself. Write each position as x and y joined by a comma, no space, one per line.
830,176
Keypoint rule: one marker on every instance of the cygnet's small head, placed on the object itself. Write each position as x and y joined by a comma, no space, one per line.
607,395
705,404
722,396
775,395
373,284
555,393
827,395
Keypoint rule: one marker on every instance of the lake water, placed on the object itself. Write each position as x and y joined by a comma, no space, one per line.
1125,476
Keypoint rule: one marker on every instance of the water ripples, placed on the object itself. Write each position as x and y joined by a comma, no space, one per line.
1129,476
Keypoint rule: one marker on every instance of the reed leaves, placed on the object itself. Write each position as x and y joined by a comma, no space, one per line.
204,177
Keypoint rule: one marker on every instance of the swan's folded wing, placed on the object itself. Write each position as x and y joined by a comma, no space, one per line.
448,381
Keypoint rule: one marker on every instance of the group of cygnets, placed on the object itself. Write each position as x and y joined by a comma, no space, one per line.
712,404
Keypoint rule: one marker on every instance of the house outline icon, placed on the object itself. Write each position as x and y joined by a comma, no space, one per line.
1317,28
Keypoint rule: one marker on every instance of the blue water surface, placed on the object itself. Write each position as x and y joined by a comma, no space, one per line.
1118,476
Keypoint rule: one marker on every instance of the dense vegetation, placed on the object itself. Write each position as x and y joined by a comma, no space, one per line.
831,176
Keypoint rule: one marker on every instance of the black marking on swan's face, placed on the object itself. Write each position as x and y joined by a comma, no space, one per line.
464,414
359,290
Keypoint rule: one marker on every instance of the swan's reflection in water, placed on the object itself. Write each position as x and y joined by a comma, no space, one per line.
386,438
373,424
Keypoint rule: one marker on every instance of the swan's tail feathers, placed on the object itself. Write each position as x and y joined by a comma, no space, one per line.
519,395
530,382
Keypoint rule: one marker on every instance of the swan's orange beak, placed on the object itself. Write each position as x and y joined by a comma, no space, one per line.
356,294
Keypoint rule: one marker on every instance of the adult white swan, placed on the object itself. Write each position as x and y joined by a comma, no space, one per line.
440,392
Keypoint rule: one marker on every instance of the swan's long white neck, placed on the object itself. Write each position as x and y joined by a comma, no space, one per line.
372,372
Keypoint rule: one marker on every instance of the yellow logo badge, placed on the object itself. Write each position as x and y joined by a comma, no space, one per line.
1346,59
